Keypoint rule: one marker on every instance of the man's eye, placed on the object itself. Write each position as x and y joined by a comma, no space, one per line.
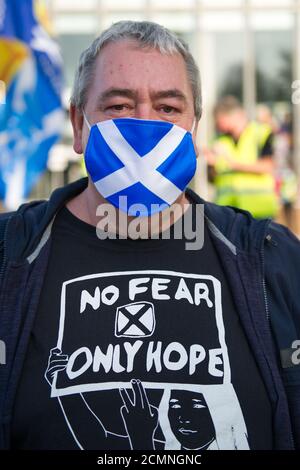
175,406
198,406
118,107
168,109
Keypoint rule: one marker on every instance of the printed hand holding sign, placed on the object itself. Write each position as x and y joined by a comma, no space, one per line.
146,324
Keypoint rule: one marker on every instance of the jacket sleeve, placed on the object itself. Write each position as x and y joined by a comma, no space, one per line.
282,276
3,223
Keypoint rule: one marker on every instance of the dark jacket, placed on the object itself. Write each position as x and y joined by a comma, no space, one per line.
261,261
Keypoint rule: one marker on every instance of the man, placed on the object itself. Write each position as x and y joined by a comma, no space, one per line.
101,325
242,160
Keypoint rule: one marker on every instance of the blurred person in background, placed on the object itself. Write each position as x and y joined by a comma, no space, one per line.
265,116
242,160
287,177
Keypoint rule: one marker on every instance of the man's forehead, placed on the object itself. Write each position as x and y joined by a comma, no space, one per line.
143,71
117,60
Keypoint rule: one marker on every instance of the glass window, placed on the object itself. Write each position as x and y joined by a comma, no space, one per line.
108,20
222,21
170,4
222,3
71,47
230,51
74,5
181,23
123,5
273,20
273,51
68,23
270,3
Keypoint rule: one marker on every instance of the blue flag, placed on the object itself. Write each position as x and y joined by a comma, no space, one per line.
31,118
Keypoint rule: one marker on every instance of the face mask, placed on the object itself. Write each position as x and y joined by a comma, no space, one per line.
140,166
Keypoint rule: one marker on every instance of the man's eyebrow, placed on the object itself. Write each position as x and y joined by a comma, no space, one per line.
173,400
195,399
112,92
172,93
132,94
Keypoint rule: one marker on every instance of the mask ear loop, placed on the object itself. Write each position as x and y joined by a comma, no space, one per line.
193,126
86,120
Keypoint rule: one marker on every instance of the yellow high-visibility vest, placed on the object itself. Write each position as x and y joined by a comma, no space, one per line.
249,191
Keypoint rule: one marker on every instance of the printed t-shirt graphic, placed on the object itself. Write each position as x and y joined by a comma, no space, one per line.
128,341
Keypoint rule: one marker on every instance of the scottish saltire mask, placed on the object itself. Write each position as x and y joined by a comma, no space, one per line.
139,162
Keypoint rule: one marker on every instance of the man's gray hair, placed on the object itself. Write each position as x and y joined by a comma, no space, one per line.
147,34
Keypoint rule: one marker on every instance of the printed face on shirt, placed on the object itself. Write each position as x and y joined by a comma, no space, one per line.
190,419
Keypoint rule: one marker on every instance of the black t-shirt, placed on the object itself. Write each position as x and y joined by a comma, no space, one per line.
148,351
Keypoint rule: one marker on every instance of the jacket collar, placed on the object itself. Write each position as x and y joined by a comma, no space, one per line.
236,228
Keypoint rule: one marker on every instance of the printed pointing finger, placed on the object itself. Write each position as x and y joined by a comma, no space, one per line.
138,401
145,398
142,403
126,399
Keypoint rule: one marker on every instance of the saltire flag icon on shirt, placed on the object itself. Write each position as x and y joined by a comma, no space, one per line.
135,320
140,162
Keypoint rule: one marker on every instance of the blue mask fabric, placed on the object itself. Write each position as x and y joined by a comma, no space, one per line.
140,166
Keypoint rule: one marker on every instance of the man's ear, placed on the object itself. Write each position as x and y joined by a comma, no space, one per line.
77,124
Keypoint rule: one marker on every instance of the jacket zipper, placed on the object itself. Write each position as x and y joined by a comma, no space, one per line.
269,239
264,286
